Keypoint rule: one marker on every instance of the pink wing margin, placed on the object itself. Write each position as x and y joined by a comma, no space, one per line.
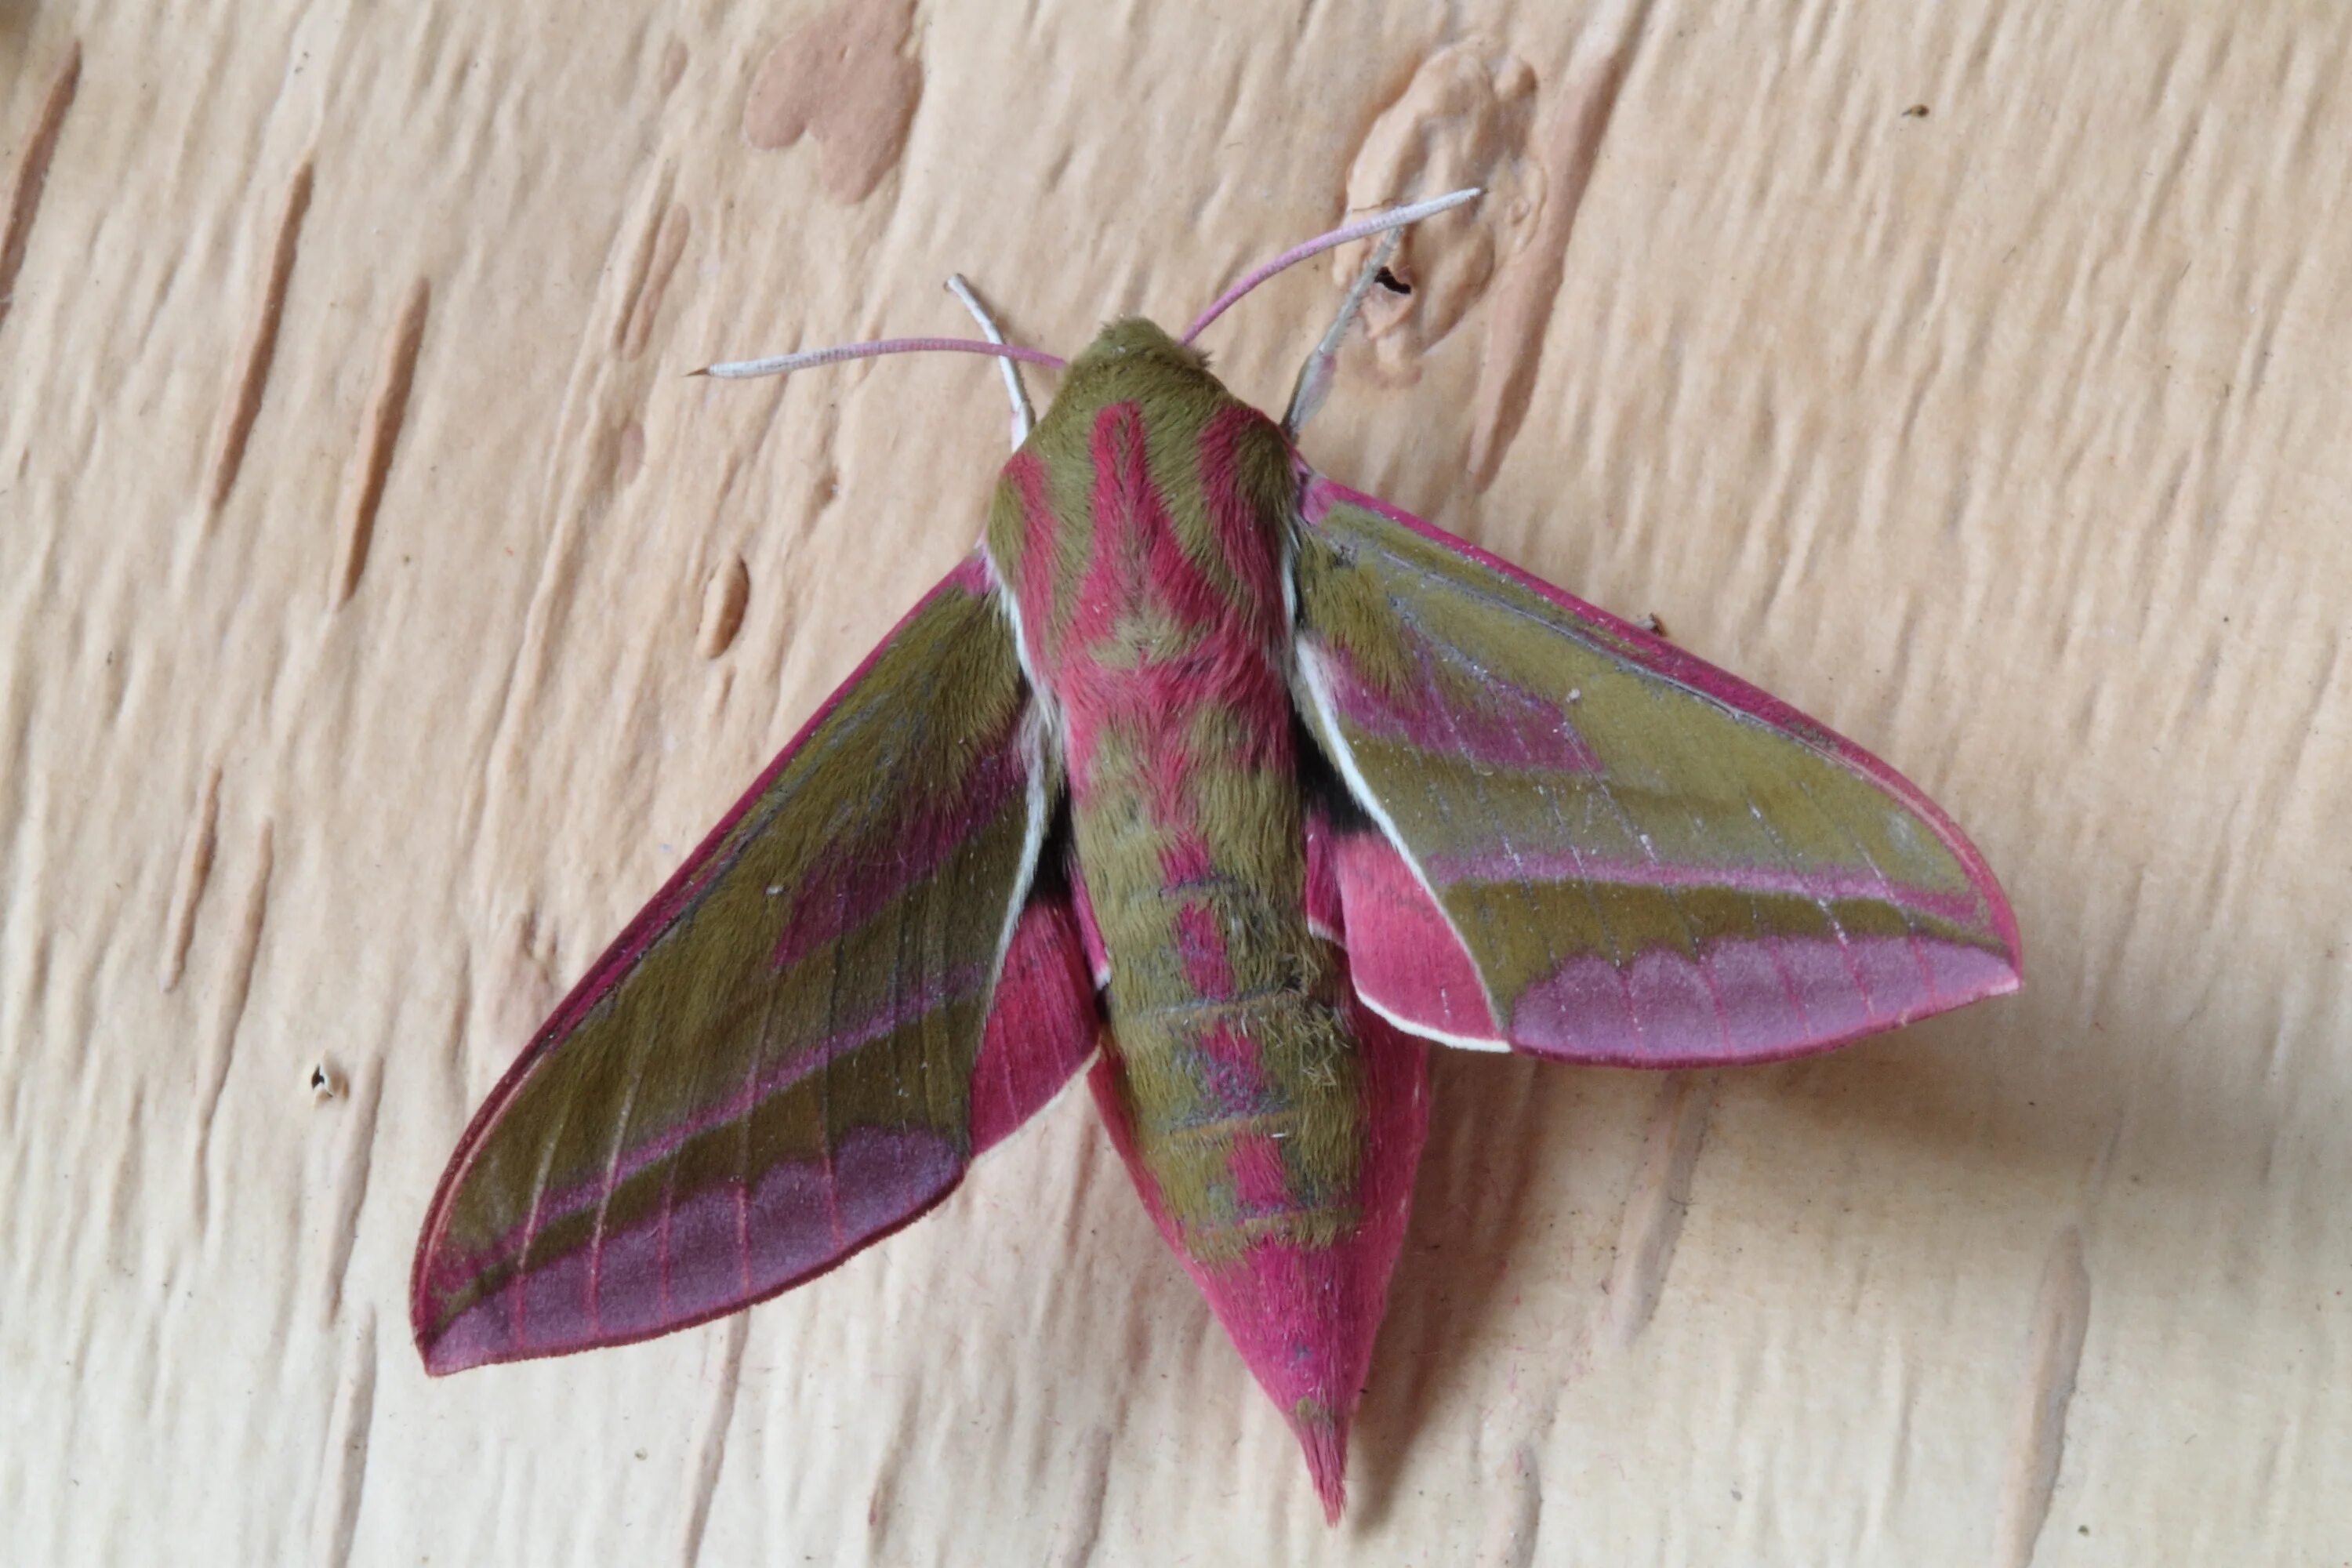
1511,888
852,988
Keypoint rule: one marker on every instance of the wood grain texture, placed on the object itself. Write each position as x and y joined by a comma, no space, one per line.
2005,439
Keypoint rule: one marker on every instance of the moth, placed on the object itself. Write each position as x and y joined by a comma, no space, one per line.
1236,789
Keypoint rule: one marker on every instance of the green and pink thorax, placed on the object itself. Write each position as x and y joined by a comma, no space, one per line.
1143,535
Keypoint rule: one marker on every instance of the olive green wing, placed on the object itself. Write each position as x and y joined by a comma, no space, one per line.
858,983
1578,841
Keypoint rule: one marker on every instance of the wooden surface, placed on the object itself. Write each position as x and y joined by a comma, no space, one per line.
383,612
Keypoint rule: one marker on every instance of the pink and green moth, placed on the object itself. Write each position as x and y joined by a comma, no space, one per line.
1243,787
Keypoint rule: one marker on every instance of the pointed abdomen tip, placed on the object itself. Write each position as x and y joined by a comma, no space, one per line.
1325,1444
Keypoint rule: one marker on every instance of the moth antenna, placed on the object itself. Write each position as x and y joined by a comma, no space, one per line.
1022,418
1315,376
783,364
1379,223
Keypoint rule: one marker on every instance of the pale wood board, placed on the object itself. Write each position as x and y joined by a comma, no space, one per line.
366,564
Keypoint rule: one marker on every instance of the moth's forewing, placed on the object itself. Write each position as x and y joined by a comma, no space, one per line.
790,1052
1586,844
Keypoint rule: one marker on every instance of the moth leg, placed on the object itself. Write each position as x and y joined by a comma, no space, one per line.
1315,376
1022,418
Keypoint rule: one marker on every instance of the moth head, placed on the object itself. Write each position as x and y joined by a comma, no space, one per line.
1131,347
1135,338
1130,361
